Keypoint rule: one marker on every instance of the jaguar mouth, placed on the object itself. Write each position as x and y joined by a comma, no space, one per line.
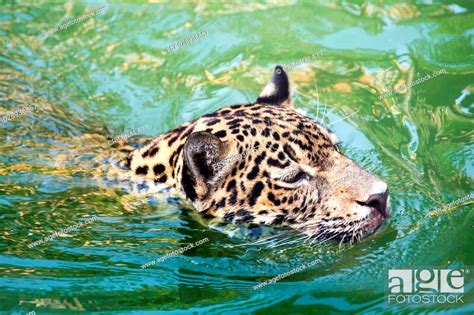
355,231
373,223
376,219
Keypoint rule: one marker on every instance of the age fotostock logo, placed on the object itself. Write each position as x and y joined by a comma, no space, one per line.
426,286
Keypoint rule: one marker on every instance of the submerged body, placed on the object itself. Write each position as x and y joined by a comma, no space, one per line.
265,163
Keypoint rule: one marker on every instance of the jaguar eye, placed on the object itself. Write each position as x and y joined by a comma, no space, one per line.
299,176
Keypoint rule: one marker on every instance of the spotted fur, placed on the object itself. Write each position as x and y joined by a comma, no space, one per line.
264,163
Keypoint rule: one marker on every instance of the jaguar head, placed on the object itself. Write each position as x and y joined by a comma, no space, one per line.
265,163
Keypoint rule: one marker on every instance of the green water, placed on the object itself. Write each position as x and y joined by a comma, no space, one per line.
110,73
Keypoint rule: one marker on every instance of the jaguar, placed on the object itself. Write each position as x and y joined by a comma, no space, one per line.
264,163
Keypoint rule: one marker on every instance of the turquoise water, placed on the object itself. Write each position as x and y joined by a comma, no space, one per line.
111,73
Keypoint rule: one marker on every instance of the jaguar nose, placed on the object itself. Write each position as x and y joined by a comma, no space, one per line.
378,202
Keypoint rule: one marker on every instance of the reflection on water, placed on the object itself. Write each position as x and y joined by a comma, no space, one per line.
109,74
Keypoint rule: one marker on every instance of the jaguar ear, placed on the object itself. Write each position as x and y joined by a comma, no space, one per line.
206,161
277,91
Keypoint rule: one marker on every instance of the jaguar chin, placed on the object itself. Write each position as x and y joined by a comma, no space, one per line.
265,163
